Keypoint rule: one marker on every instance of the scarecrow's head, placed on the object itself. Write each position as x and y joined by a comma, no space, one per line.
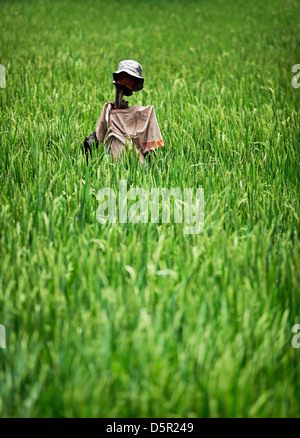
129,77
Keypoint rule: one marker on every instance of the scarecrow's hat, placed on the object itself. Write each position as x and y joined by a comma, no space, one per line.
132,68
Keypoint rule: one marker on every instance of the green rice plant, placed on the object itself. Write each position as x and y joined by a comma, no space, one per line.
134,320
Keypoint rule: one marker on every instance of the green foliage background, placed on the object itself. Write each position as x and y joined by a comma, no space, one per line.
93,329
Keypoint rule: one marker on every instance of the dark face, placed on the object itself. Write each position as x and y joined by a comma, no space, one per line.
127,82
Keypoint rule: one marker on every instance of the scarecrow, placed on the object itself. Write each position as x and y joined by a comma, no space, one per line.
120,125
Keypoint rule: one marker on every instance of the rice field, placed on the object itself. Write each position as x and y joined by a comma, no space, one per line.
143,320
